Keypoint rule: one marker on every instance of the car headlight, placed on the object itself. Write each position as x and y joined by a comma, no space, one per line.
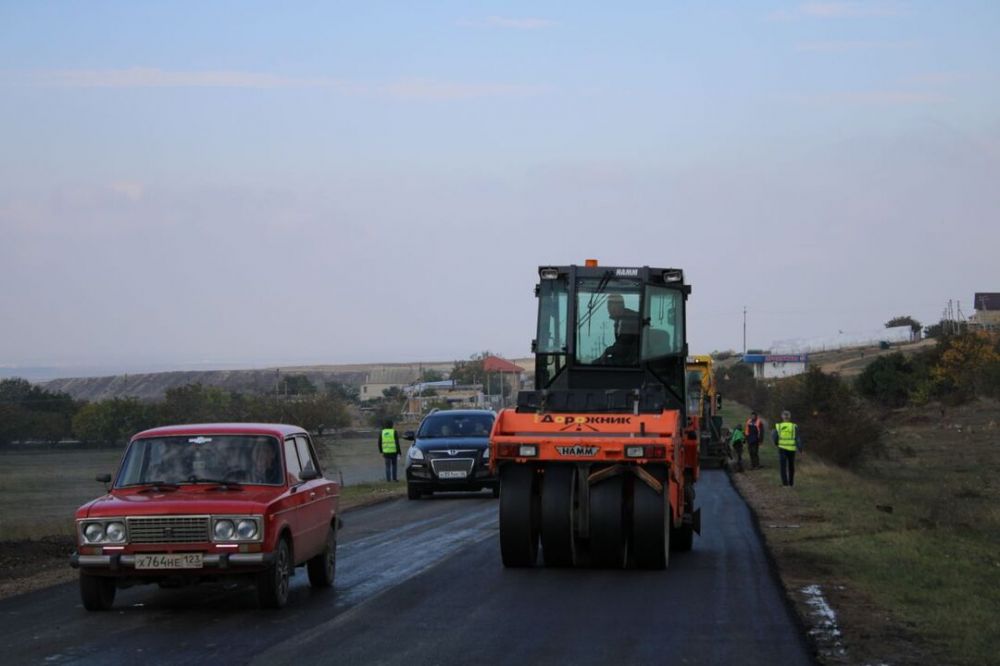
415,454
246,529
94,532
115,532
224,530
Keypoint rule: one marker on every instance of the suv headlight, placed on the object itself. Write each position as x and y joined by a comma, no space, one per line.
415,453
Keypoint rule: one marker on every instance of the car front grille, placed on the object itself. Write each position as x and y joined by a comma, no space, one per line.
168,529
452,465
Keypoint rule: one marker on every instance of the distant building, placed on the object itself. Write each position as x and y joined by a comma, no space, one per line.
776,366
386,377
987,315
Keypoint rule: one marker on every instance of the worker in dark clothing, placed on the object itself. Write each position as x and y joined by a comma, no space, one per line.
625,349
390,448
753,431
736,444
786,438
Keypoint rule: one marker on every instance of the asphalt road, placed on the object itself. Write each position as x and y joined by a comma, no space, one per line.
422,583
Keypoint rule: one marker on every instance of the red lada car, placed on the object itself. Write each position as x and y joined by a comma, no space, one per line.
195,503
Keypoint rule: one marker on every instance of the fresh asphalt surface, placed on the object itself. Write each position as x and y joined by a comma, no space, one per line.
420,582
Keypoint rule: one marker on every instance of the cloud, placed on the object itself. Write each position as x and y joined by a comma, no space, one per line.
507,23
838,10
150,77
845,46
130,189
876,98
146,77
444,90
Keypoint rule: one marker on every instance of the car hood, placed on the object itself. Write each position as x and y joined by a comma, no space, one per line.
193,500
439,443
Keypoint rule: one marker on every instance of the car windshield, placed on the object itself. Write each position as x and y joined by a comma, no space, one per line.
202,459
456,425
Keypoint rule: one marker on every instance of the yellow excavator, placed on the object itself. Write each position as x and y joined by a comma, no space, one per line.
703,404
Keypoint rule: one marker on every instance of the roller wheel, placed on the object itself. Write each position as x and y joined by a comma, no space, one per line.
607,524
97,592
558,508
681,538
518,515
650,527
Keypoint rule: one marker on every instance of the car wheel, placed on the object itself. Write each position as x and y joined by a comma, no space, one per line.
412,492
323,567
97,592
273,583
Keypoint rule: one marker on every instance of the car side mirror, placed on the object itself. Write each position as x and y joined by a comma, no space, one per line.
103,478
718,401
308,474
409,436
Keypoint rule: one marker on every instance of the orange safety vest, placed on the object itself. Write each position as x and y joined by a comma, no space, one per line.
760,428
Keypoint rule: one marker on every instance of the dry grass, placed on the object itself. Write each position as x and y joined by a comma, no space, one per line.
908,547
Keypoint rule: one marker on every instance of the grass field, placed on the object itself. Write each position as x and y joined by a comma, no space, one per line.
41,488
907,547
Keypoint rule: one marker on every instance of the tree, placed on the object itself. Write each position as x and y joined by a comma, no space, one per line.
433,376
297,385
344,392
195,403
113,421
905,320
888,380
968,362
31,412
471,371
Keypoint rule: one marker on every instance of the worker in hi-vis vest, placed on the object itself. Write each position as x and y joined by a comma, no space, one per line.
390,448
789,442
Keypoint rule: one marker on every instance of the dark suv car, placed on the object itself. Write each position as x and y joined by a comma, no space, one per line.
451,452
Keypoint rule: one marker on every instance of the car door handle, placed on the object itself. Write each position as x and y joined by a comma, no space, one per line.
312,495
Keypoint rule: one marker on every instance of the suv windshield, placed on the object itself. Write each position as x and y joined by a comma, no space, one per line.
193,458
456,425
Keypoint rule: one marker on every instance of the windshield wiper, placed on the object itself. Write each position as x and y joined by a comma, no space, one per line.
156,486
228,485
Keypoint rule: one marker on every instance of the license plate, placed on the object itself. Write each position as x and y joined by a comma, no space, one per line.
168,561
452,475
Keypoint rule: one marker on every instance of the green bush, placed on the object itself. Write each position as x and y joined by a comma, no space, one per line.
889,380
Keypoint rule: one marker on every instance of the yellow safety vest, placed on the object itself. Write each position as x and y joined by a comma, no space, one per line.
389,441
786,435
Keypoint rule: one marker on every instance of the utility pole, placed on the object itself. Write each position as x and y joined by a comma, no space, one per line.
744,330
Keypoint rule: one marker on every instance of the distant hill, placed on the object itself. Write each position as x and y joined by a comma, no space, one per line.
153,385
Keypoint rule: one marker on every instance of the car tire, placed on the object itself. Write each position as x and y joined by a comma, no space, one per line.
412,493
97,592
273,582
323,567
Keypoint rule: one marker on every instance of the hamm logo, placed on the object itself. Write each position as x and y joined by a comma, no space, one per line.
578,450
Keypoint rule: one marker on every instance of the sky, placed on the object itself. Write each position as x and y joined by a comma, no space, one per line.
221,184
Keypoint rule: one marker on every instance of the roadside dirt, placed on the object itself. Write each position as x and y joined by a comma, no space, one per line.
29,565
